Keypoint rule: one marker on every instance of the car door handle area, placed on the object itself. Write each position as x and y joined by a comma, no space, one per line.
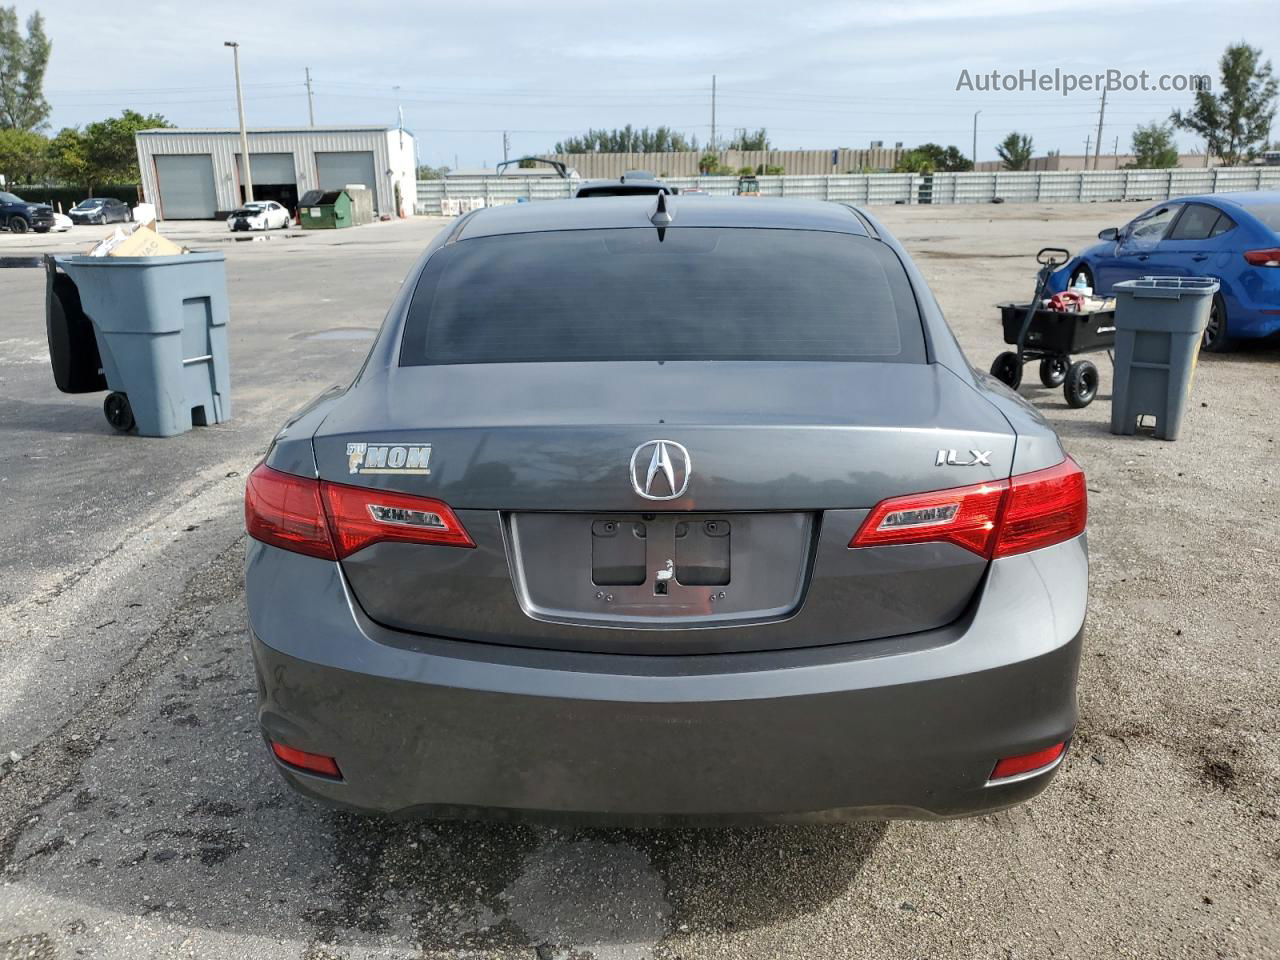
1144,256
1200,256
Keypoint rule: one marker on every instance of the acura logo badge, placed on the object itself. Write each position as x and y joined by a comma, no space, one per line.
660,470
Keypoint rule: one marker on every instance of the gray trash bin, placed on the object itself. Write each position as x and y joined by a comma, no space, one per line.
160,329
1159,321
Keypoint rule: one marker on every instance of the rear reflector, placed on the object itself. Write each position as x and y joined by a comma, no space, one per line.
1263,258
1028,762
310,762
333,520
995,519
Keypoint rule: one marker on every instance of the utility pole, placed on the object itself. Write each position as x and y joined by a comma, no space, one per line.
1088,142
1115,154
311,104
244,134
975,138
506,145
713,113
1102,112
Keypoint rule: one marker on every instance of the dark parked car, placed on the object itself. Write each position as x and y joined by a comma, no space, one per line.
631,183
100,210
660,511
1234,237
18,216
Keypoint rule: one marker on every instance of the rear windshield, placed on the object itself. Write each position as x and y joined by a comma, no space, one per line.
636,294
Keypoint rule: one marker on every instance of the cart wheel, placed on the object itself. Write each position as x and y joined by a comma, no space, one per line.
119,413
1082,384
1007,369
1053,370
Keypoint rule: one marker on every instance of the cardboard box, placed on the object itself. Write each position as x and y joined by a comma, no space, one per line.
145,242
141,241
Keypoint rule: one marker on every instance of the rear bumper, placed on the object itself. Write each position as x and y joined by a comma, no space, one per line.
909,727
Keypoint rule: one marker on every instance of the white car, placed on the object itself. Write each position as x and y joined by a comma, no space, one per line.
259,215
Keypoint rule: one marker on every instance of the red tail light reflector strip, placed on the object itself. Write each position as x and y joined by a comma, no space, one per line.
310,762
1027,765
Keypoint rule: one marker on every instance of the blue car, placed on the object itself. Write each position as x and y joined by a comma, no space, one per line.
1234,237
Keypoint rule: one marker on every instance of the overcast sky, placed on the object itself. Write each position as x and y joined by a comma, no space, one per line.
820,74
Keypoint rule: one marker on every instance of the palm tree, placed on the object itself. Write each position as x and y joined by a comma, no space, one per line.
1015,151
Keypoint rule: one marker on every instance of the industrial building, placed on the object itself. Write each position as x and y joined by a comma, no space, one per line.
195,174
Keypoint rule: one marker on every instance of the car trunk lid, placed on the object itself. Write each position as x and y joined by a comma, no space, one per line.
784,460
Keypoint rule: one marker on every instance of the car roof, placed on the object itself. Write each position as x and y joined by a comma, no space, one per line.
606,213
1244,198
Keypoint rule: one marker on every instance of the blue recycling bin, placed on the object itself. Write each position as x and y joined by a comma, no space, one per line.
159,329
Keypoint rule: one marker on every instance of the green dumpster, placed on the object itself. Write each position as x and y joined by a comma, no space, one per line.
326,210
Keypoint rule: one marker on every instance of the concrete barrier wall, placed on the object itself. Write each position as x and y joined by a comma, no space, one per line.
685,163
464,193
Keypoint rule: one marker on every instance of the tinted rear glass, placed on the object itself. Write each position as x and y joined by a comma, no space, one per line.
691,294
1196,223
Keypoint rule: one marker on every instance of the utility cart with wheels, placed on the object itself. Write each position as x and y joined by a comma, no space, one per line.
1053,336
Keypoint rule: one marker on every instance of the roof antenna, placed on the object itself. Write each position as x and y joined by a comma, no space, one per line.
661,216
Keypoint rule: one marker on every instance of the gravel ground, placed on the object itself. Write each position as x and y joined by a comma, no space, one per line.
140,818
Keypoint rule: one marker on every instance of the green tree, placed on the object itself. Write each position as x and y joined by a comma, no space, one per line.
709,165
1153,147
67,163
627,139
915,161
110,152
946,159
434,173
1015,151
931,158
755,140
1235,123
22,65
23,155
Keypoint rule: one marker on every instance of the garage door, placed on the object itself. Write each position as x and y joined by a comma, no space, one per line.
335,170
269,168
186,186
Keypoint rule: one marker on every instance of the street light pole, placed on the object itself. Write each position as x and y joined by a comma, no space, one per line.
975,138
244,134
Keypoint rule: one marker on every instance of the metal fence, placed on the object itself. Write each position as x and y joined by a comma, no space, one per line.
459,194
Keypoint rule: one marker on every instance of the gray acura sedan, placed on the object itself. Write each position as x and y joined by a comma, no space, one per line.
662,511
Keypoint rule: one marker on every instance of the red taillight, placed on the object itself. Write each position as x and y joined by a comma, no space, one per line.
1027,762
965,516
1263,258
286,511
360,516
310,762
1043,508
333,521
993,519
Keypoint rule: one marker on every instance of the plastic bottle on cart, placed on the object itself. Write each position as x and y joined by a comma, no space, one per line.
1081,286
